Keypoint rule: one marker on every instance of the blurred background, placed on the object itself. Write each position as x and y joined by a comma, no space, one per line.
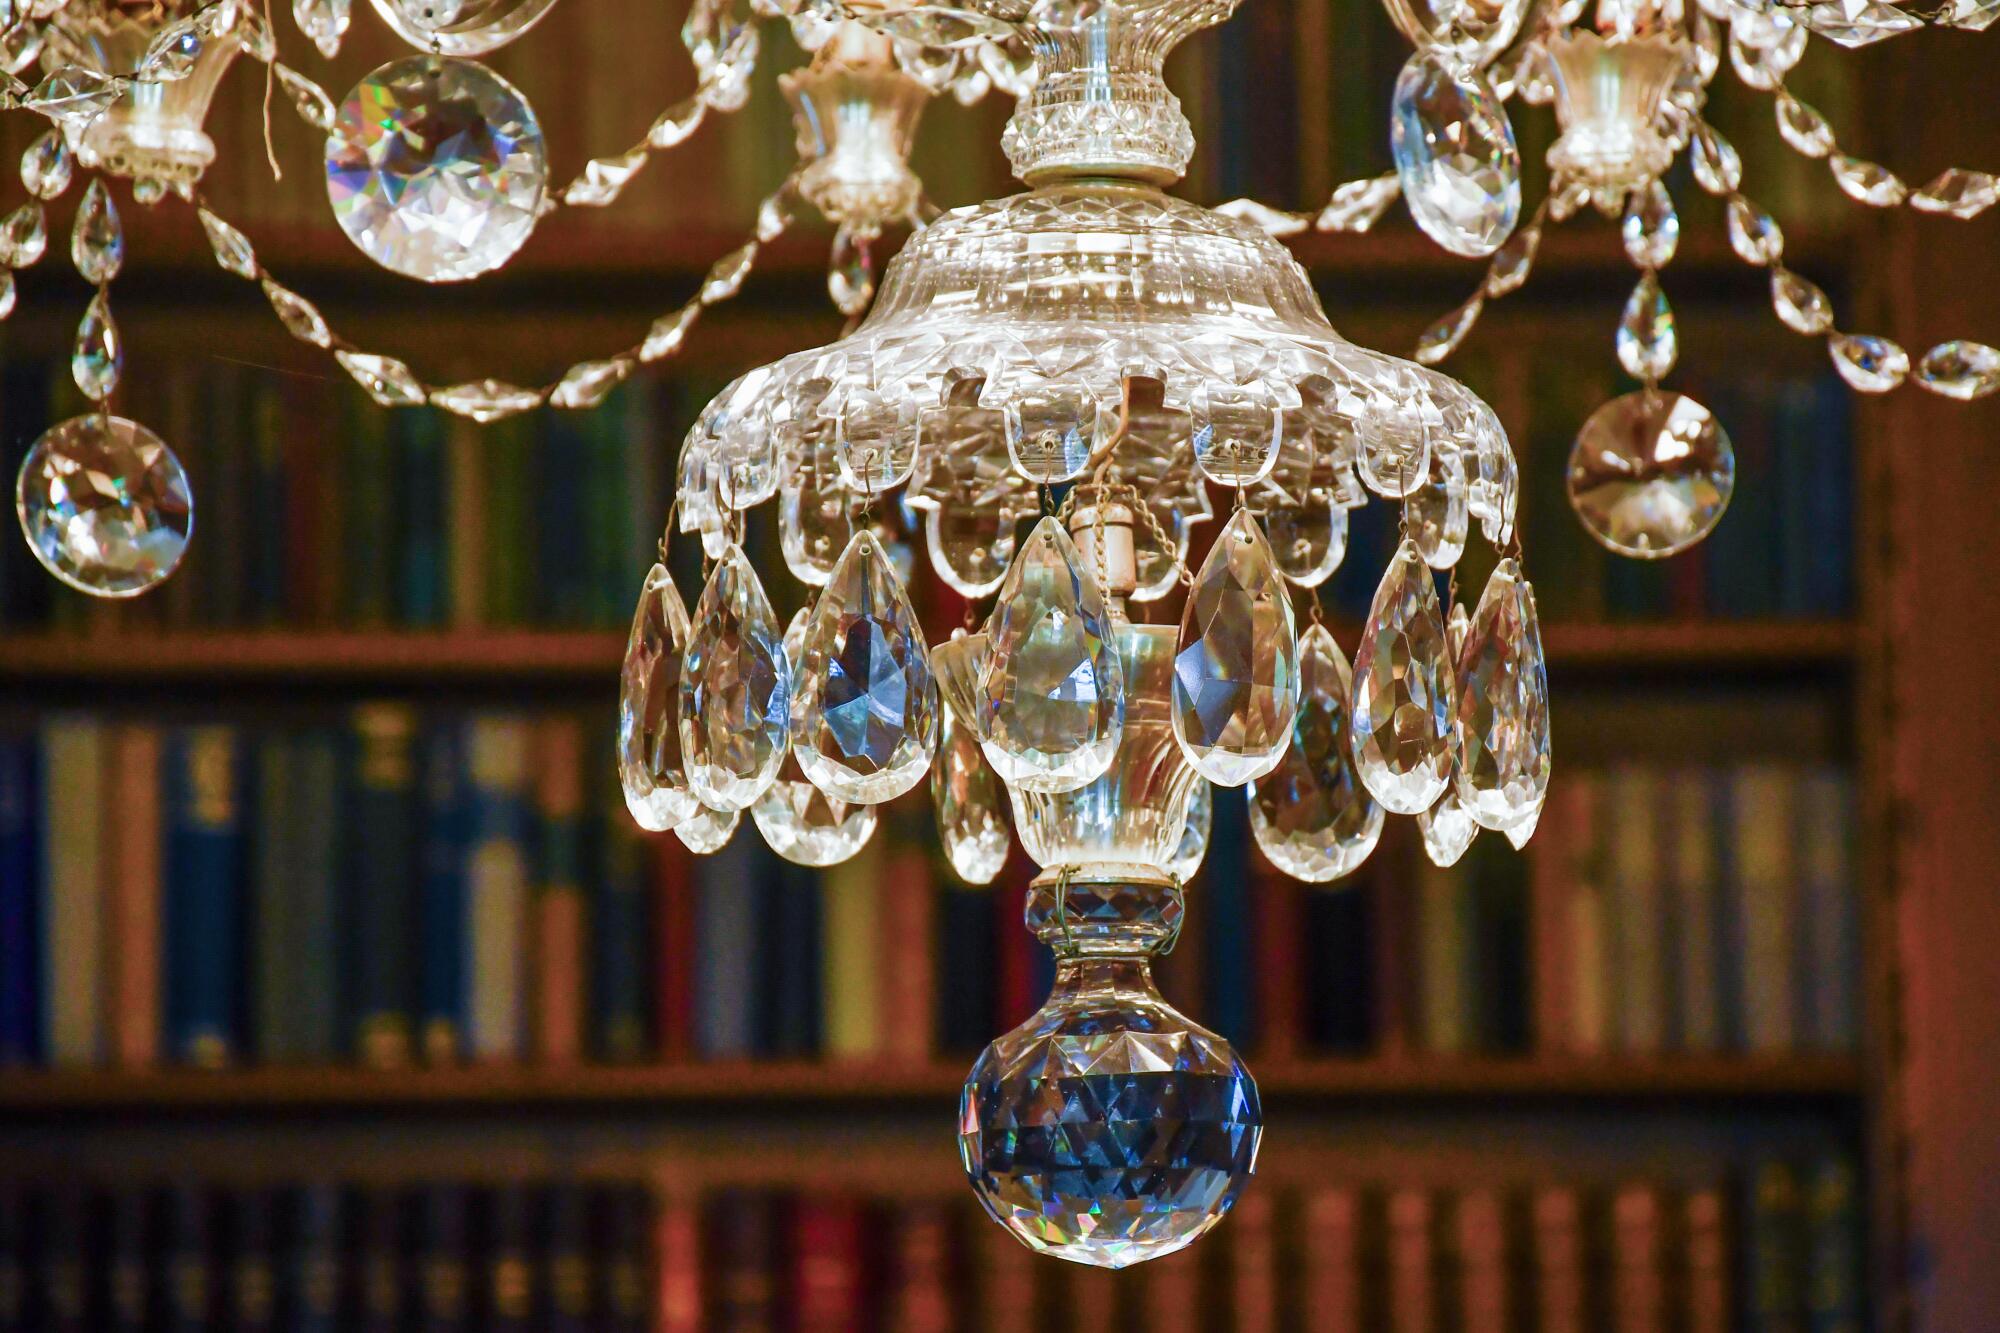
337,990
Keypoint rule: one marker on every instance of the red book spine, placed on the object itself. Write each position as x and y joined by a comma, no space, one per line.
1552,961
1014,974
1395,942
909,948
1333,1257
1482,1244
1412,1299
135,947
559,911
674,951
1253,1235
1638,1286
1708,1263
678,1307
827,1285
921,1297
1559,1262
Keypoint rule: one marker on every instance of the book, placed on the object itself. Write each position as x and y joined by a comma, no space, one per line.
382,921
21,944
72,875
1833,1274
1332,1257
568,1283
443,1256
559,913
828,1276
851,911
312,991
623,934
312,1272
205,875
1694,922
497,877
275,898
1829,933
250,1298
443,986
1632,801
134,897
1775,1251
1764,898
1638,1287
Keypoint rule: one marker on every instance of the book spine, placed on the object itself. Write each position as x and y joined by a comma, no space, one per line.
1638,1286
133,1000
443,925
742,1225
274,901
1559,1283
1254,1264
1830,911
908,937
568,1282
312,992
1763,835
627,1258
1640,971
191,1280
851,912
1277,912
1774,1263
1229,938
1332,1256
1341,977
421,564
508,1286
15,1257
497,885
1412,1293
1708,1262
251,1291
1482,1247
796,987
679,1304
127,1300
72,906
377,1261
673,870
1441,968
920,1301
1696,904
622,932
21,825
381,873
204,912
559,906
313,1266
827,1285
444,1259
966,966
1833,1280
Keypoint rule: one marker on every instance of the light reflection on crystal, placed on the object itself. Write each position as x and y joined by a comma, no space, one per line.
104,505
1500,734
1403,689
707,831
649,741
1651,228
1311,815
1235,684
1447,830
736,690
966,797
1869,364
864,706
1455,153
1651,474
1961,370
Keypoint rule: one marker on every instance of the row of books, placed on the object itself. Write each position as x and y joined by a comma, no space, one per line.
314,507
1774,1249
443,886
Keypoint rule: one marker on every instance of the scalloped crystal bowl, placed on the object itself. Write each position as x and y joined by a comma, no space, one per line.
1029,321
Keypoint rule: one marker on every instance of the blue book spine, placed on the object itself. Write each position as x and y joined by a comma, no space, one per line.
1830,501
381,931
204,893
192,1284
314,834
311,1280
443,984
1799,453
20,902
562,580
421,557
1230,937
622,938
795,985
726,949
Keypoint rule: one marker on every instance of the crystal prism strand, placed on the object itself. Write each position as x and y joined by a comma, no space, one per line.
1647,343
1051,689
1802,306
1868,364
1803,128
707,831
1455,154
1311,814
1441,339
1236,666
864,705
1358,205
966,798
956,664
324,22
1754,234
1958,193
1192,849
24,236
1447,830
649,738
736,690
1403,690
97,241
1513,261
1718,168
99,354
1867,182
1500,735
1438,511
1651,228
1961,370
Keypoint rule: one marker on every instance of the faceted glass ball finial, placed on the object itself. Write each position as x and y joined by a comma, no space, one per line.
436,168
1108,1129
104,505
1651,474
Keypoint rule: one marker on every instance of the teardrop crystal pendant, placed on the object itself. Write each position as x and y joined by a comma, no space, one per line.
1500,733
1455,153
1439,511
1651,228
807,827
736,690
1311,816
1648,345
1447,829
966,799
98,358
649,735
1403,690
104,505
864,705
97,241
1051,689
707,831
1236,666
1651,474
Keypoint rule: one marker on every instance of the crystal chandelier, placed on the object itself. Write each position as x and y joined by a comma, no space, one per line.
1652,471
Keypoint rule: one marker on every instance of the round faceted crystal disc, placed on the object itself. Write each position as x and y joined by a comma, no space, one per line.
104,505
435,168
1651,474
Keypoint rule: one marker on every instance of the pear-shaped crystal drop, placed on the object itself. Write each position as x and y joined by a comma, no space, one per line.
24,236
707,831
1961,370
1804,128
1648,345
1455,153
1754,234
956,663
970,545
864,705
1718,167
1311,815
736,690
649,692
1403,690
1441,339
966,798
1519,835
47,165
1051,688
1236,666
1800,303
1447,830
1500,735
1868,363
814,525
99,355
1513,262
1651,229
1192,849
798,821
1438,511
97,242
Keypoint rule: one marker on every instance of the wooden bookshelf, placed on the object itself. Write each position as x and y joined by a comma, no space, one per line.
1479,1080
543,654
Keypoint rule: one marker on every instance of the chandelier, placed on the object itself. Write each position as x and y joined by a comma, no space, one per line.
1048,386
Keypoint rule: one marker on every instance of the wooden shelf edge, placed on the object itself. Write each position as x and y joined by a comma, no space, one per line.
253,654
836,1085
